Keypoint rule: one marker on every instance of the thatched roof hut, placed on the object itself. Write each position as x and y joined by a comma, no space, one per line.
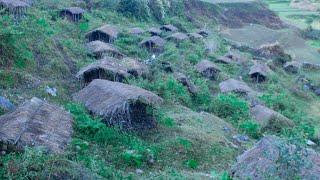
203,32
153,44
107,33
194,36
269,119
74,14
228,58
169,28
15,7
134,67
259,72
136,31
119,104
107,68
232,85
184,80
177,37
154,31
207,69
292,67
36,123
268,159
101,49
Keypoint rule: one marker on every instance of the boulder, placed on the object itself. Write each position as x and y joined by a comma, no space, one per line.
236,86
184,80
269,119
36,123
292,67
274,158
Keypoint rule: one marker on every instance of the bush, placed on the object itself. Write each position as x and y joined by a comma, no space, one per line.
231,107
134,8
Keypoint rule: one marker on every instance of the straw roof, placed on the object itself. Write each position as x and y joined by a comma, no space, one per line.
14,3
177,37
108,65
154,31
260,69
113,100
267,117
74,10
136,31
310,66
100,48
169,27
110,30
207,68
134,67
232,85
292,66
154,40
37,123
229,58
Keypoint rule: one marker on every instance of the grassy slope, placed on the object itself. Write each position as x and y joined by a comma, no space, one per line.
189,143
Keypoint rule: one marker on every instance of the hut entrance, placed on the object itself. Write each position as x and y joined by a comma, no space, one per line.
97,35
140,116
100,73
258,77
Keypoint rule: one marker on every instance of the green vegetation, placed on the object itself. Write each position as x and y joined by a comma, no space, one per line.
193,139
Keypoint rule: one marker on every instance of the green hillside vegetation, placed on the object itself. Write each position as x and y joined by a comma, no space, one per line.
194,138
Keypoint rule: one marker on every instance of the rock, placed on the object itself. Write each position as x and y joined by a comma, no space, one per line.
274,158
292,67
139,171
236,86
51,91
311,143
184,80
6,104
269,119
310,66
241,138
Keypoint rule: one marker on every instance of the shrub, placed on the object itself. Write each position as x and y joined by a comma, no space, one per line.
231,107
134,8
193,164
251,128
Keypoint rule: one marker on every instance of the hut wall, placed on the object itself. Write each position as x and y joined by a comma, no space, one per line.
101,74
71,17
258,77
209,73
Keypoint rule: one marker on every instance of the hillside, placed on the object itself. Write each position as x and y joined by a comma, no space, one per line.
159,89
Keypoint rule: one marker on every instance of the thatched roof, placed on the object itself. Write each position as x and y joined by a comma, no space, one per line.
136,31
74,10
100,48
114,101
169,27
154,40
154,31
292,66
228,58
13,3
37,123
184,80
194,36
108,65
107,29
134,67
232,85
178,37
260,69
207,68
268,159
268,118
